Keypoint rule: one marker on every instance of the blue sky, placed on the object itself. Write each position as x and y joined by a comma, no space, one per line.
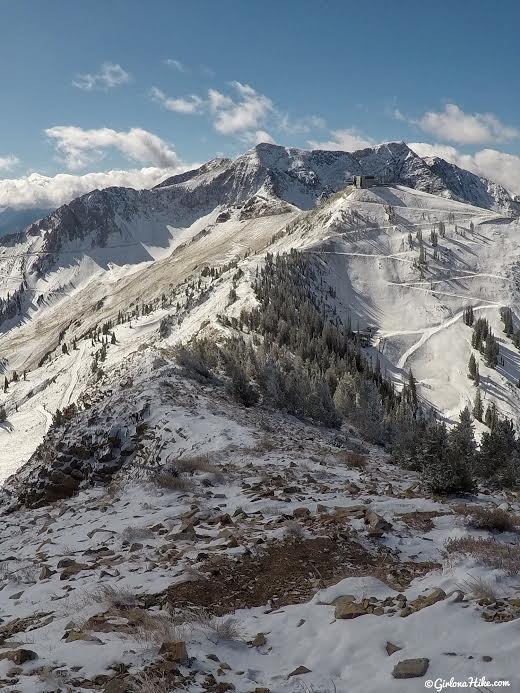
122,91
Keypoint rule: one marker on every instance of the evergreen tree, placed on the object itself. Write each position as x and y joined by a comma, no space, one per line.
480,333
345,395
478,407
491,417
491,351
472,367
462,451
411,391
468,316
497,458
447,459
507,318
432,456
370,416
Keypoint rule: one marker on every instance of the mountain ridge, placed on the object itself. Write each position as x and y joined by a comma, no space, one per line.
313,174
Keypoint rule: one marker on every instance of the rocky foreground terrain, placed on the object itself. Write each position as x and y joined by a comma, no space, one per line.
245,550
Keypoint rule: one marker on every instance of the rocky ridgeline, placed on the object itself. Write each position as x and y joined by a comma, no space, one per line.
67,458
90,442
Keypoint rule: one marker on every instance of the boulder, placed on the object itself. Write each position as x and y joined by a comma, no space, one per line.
259,640
73,636
72,570
391,648
117,685
19,656
349,610
377,522
411,668
436,595
45,572
299,670
174,650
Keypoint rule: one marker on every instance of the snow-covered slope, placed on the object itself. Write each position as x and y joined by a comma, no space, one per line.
415,310
266,520
360,240
121,226
108,252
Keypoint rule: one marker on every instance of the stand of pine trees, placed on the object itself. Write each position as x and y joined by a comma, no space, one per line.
295,353
484,341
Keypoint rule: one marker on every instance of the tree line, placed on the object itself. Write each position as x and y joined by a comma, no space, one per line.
293,351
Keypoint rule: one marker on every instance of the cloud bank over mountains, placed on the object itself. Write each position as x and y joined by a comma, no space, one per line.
240,112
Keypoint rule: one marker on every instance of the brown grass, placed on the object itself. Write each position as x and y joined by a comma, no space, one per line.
218,629
491,519
170,481
178,474
199,463
265,444
117,597
488,552
479,588
353,459
294,530
225,630
151,683
155,628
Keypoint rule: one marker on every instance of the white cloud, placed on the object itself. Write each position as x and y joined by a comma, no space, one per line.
175,65
218,101
248,112
444,151
81,147
488,163
244,113
348,140
454,125
37,190
254,137
263,136
188,104
8,162
109,76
